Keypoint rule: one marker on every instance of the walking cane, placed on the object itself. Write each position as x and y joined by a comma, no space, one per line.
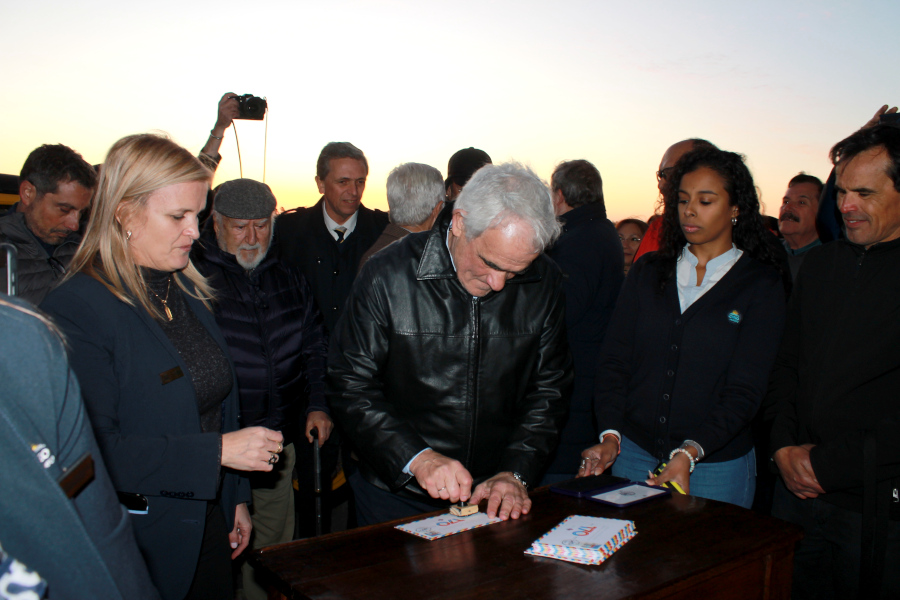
317,480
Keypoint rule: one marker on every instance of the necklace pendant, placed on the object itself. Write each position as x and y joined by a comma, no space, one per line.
168,312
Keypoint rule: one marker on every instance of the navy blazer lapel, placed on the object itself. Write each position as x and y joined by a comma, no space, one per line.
158,332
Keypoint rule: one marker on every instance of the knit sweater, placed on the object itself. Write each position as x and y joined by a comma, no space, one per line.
665,377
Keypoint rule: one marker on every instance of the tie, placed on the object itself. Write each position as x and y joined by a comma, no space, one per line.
340,231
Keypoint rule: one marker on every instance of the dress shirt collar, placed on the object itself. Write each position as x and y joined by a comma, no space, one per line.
331,224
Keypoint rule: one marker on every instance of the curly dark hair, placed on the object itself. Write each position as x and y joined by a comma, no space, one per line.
750,233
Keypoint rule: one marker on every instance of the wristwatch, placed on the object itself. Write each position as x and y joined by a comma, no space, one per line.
520,479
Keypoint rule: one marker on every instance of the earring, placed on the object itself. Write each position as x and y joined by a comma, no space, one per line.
128,234
733,221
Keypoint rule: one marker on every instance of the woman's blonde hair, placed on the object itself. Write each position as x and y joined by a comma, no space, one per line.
135,167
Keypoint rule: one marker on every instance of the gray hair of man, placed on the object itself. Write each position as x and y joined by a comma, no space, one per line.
497,194
413,190
251,264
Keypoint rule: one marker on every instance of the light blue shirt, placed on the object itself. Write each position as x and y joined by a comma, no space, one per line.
686,274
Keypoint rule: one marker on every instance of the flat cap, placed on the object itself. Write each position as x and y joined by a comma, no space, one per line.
244,199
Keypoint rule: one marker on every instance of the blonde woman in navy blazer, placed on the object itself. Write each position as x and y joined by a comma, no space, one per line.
154,369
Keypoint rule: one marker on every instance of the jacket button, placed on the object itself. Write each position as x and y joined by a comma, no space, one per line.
674,347
336,272
670,373
334,308
662,419
665,396
659,442
678,321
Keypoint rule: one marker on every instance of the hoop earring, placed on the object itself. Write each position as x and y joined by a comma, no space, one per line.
733,221
128,234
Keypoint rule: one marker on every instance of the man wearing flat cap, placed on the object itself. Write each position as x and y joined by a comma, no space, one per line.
276,338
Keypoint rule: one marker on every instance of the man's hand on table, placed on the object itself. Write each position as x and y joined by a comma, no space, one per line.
442,477
507,497
797,472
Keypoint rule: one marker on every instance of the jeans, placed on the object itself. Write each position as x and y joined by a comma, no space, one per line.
732,481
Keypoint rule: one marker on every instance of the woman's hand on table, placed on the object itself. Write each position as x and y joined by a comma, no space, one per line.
678,470
251,449
596,459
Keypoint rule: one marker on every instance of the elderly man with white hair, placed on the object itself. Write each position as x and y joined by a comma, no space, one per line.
449,369
275,335
415,195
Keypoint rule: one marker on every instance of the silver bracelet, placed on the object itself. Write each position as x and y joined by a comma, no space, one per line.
686,453
695,446
215,137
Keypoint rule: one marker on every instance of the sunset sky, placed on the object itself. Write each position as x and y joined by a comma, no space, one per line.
539,82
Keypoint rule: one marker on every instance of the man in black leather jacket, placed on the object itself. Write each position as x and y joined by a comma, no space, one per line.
449,368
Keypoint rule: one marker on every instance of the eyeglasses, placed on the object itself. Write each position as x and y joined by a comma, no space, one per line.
633,238
664,174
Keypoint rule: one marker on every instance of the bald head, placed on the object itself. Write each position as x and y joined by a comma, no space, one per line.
672,156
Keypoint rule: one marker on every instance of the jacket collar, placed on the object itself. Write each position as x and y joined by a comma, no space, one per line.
583,214
436,264
874,248
209,250
14,227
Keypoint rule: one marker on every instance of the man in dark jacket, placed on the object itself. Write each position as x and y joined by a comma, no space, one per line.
449,367
275,335
55,188
327,241
590,255
835,386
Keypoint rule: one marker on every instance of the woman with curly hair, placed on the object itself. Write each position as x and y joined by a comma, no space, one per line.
686,360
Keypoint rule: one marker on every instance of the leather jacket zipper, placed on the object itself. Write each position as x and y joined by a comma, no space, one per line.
476,349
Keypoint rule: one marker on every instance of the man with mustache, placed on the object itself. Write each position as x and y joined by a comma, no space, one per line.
277,341
797,218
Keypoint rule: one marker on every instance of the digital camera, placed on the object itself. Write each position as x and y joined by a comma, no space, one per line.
251,107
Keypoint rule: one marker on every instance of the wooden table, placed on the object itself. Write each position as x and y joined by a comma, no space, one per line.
686,547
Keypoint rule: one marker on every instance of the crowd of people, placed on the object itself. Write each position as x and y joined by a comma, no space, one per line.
188,347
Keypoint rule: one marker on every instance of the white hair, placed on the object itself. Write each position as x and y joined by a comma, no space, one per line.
247,265
500,193
413,190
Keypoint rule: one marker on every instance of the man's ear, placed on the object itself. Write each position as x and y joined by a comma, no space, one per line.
27,193
457,225
320,184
